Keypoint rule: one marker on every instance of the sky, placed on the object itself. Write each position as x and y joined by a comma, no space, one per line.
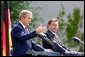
51,9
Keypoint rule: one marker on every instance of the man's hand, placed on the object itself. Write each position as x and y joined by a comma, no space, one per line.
41,29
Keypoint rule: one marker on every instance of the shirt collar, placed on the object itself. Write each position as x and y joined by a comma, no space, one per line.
52,32
22,24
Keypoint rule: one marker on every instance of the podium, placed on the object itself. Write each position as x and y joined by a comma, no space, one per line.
40,53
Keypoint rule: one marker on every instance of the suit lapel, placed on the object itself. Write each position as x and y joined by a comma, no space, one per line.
50,35
20,25
25,31
53,37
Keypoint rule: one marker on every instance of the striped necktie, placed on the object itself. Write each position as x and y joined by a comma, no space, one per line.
28,41
26,30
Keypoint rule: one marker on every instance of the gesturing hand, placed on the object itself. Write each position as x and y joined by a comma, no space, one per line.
41,29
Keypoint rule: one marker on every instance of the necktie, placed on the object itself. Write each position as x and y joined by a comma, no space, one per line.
28,41
26,30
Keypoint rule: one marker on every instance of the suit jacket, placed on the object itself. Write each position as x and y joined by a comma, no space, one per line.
52,41
22,42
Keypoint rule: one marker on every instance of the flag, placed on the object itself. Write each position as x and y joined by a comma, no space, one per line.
6,31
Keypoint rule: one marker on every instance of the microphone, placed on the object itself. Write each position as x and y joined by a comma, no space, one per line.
76,39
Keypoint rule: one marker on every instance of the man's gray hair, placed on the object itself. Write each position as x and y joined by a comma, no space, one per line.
24,13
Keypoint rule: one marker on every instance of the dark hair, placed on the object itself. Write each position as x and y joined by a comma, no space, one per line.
49,22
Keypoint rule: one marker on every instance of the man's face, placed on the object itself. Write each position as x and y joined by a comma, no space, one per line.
27,19
53,26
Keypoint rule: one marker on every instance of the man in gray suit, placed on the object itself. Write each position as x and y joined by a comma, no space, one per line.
52,40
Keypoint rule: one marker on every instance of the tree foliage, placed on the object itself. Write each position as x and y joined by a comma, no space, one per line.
15,7
71,28
73,25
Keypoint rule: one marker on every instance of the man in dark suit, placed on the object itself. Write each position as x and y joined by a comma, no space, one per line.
52,41
22,38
